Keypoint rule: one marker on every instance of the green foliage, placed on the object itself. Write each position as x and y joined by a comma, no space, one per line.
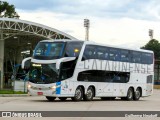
7,10
11,92
153,45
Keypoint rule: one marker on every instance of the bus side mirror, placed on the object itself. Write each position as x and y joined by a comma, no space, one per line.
26,62
65,59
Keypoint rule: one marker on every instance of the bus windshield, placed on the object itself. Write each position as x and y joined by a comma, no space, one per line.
43,73
48,50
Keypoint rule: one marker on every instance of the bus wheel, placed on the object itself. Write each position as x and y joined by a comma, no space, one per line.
50,98
62,98
89,95
137,94
130,94
78,94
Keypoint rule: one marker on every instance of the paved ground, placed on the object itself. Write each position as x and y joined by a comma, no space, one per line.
40,103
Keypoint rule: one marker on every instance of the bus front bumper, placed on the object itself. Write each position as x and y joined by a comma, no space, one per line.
39,90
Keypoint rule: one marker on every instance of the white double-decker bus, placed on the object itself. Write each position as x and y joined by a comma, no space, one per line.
84,70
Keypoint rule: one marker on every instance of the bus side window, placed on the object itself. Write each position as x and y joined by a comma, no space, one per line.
124,55
73,49
89,52
102,53
114,54
147,58
136,57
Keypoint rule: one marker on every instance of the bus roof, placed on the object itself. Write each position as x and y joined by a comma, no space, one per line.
61,40
94,43
112,46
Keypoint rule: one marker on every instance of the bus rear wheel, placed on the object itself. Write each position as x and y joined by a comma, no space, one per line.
89,95
137,94
62,98
78,94
50,98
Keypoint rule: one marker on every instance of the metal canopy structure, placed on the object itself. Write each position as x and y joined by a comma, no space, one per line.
17,36
12,27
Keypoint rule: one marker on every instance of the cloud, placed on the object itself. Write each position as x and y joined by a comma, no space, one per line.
137,9
120,32
31,4
153,9
114,22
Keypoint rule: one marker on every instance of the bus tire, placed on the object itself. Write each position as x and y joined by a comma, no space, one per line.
50,98
130,94
137,94
78,94
89,95
62,98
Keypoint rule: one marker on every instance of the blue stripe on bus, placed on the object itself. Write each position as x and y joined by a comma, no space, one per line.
58,89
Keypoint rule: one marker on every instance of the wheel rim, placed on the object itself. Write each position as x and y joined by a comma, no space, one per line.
137,93
78,94
89,93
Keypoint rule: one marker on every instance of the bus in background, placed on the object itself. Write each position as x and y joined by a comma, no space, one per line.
82,70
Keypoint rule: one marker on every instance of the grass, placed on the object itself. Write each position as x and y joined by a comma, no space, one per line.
11,92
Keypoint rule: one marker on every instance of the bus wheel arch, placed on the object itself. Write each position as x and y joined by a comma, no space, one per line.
90,93
137,93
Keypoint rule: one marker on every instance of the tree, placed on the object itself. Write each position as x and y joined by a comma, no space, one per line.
153,45
7,10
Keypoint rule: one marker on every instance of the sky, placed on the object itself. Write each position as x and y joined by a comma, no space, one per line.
114,22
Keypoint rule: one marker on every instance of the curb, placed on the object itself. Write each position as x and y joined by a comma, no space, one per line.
13,95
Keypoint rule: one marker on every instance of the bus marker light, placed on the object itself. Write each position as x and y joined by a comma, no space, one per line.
76,50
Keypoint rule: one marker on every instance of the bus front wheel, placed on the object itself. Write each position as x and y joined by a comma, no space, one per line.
50,98
89,95
78,94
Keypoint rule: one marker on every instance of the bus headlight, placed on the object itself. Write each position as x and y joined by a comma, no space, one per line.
28,86
53,87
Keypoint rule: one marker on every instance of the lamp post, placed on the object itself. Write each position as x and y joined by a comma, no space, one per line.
87,25
151,33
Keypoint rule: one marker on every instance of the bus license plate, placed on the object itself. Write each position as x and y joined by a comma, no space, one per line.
39,93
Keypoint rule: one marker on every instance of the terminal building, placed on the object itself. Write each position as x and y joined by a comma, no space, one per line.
17,41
